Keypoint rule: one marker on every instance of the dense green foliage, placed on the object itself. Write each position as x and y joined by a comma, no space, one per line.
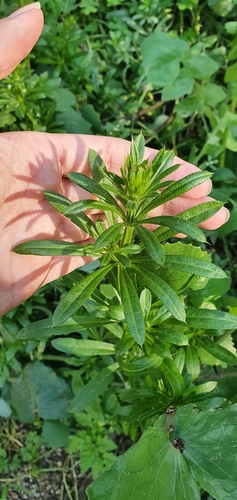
103,366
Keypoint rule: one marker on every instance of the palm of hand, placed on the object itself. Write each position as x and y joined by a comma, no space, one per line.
33,162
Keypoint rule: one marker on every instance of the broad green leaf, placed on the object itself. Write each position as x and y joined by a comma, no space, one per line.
170,335
77,296
55,433
92,187
81,205
195,215
178,225
161,57
151,244
151,469
93,389
201,66
140,367
110,235
5,410
83,347
209,319
132,308
38,390
172,377
181,86
44,328
194,266
218,351
210,448
192,361
163,291
177,189
53,247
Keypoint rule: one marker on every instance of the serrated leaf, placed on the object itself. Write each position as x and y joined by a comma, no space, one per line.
209,319
177,189
163,291
194,266
93,389
152,469
83,347
151,244
192,361
218,351
44,328
195,215
178,225
172,377
77,296
81,205
137,149
210,448
170,335
61,203
110,235
140,367
132,308
53,247
92,187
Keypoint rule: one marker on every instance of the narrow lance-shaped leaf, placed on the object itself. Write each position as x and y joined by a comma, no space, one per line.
44,328
151,244
178,225
54,247
132,308
218,351
93,389
77,296
163,291
178,188
140,367
95,189
81,205
61,203
83,347
209,319
172,376
194,266
195,215
110,235
137,149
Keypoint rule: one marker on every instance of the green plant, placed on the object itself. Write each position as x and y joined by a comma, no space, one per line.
160,336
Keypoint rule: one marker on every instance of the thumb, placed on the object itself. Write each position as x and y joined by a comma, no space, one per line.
18,34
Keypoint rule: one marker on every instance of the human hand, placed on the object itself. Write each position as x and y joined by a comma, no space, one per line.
18,34
31,162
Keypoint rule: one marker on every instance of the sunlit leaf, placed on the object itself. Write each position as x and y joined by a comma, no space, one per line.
83,347
77,296
132,308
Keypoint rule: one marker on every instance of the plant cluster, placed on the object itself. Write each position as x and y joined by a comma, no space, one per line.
148,341
136,333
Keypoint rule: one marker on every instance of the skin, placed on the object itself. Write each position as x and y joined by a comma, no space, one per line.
31,162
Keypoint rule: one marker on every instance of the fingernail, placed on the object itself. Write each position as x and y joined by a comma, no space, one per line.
210,187
227,214
30,6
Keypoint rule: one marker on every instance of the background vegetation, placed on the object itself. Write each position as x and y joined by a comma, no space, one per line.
114,68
